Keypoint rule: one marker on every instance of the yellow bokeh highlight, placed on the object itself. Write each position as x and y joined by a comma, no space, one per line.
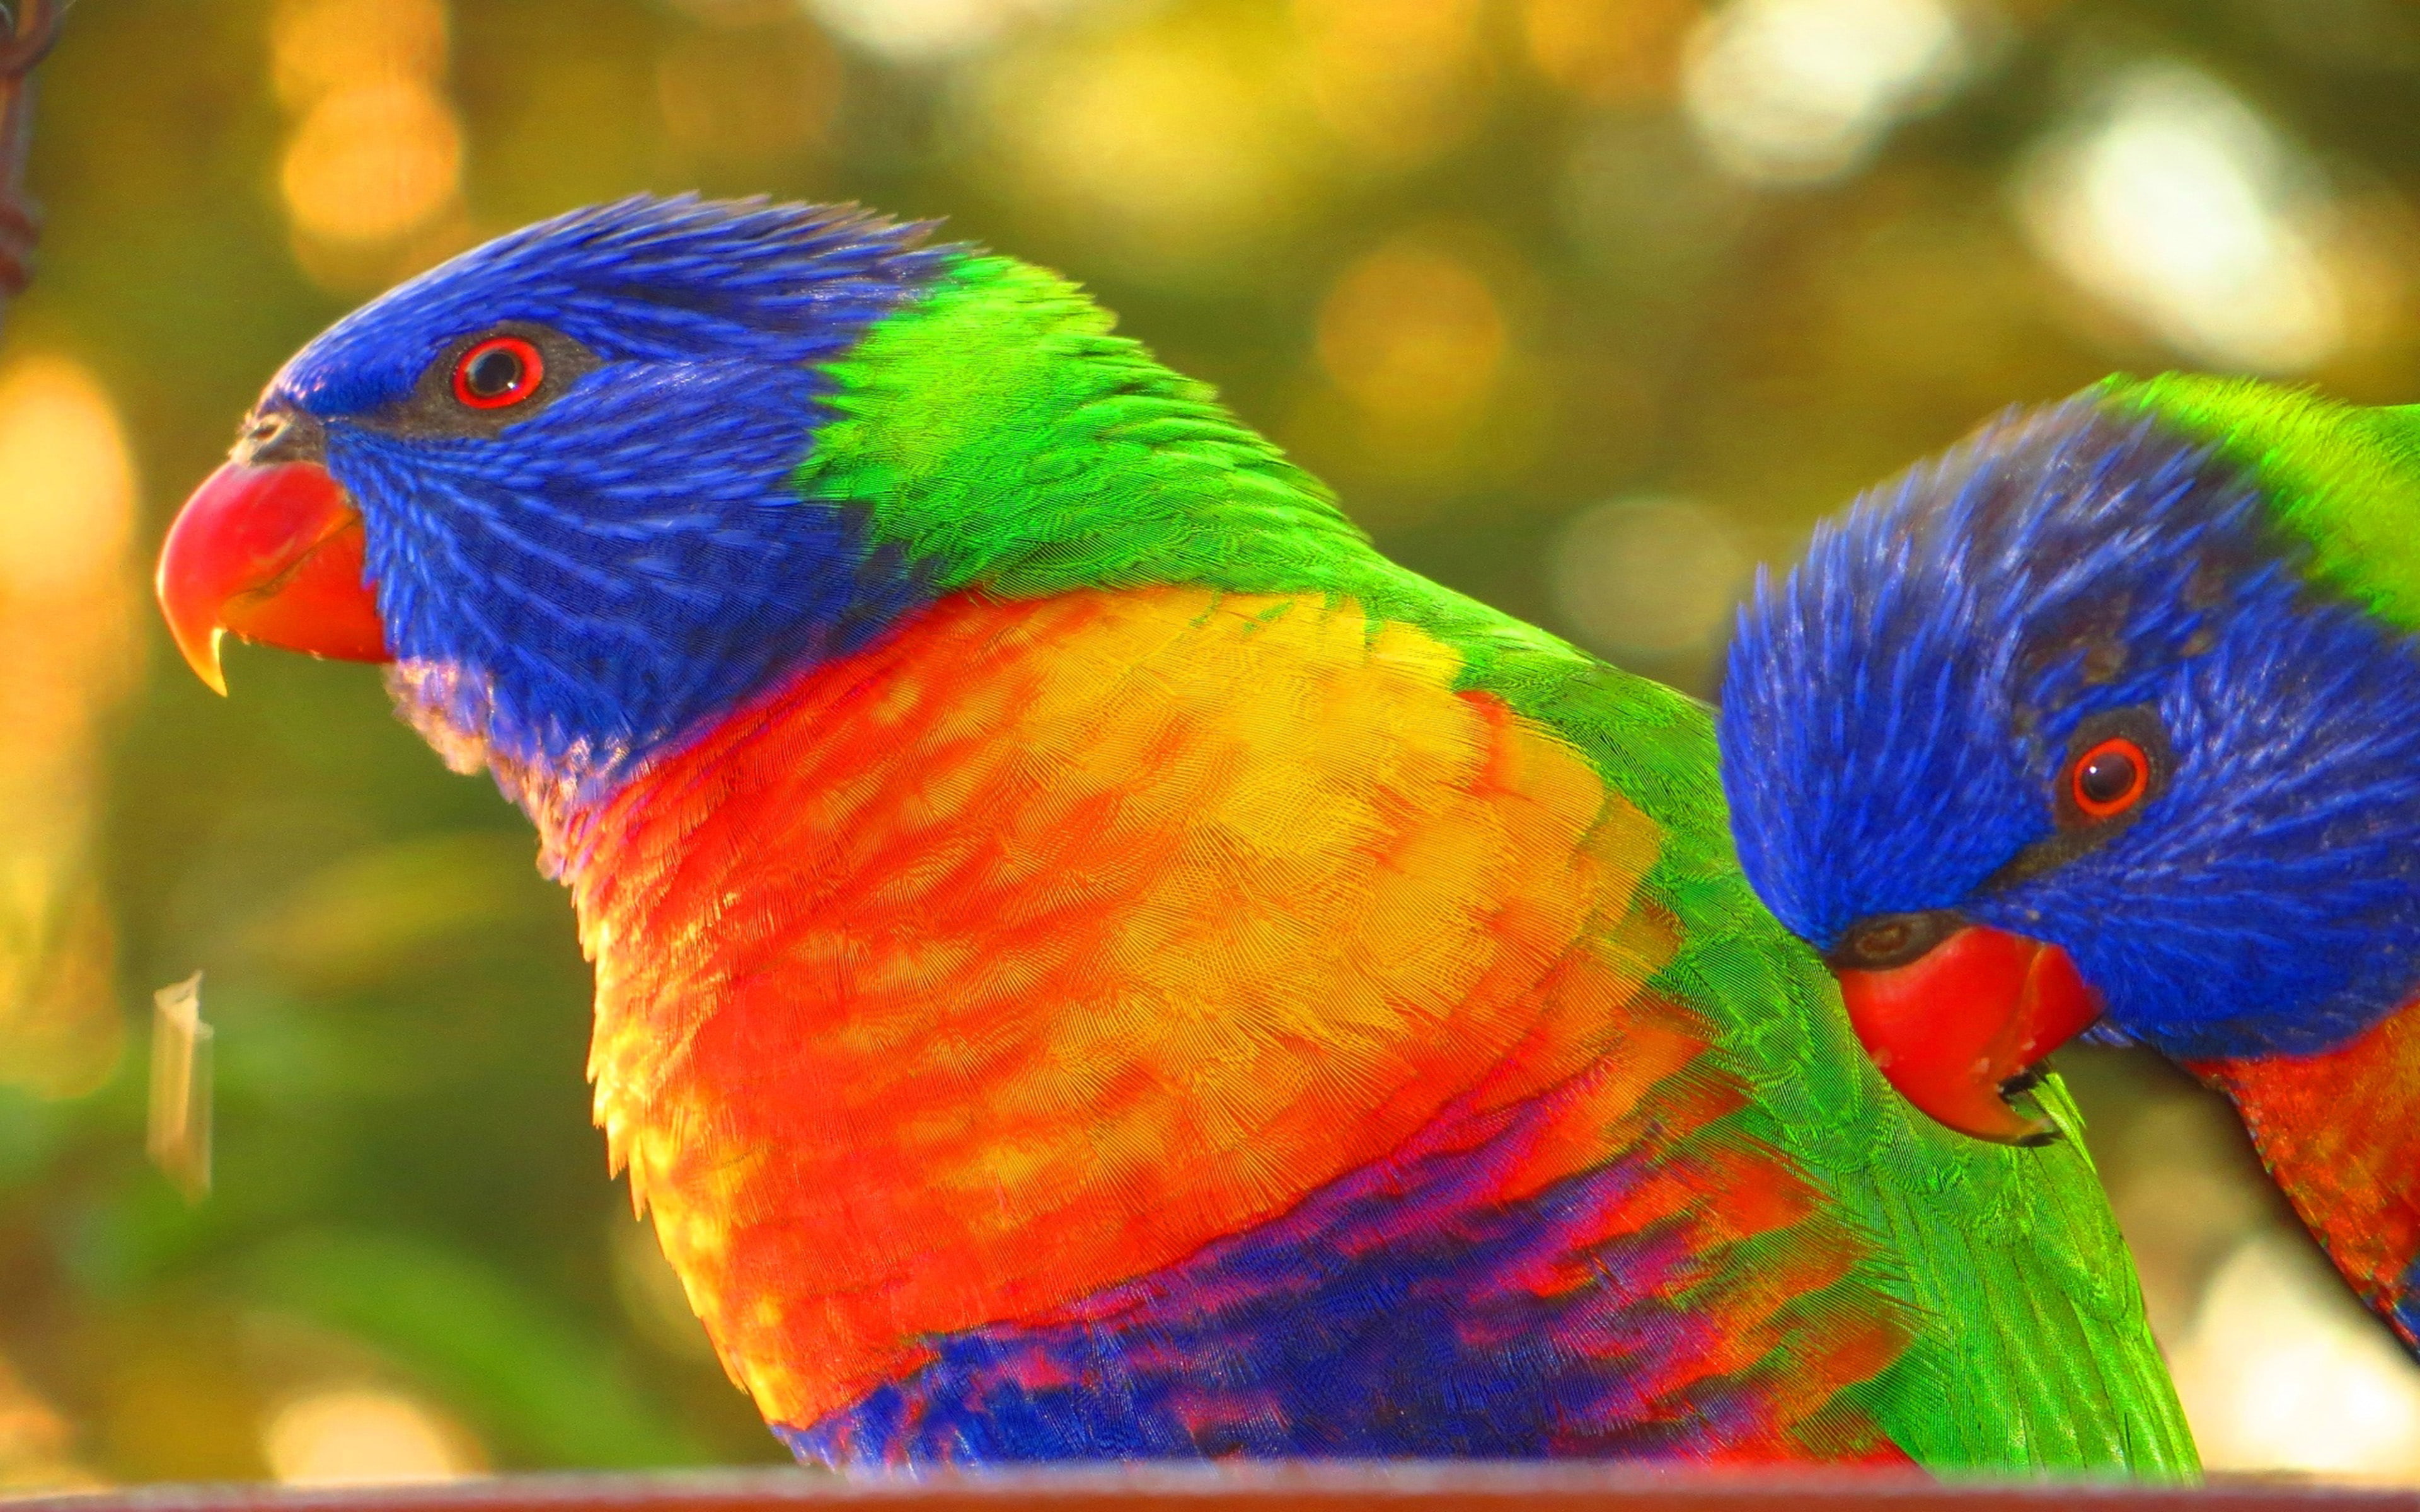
1164,146
1609,51
37,1445
372,163
372,168
1414,335
323,47
67,487
366,1436
66,586
1397,83
1417,384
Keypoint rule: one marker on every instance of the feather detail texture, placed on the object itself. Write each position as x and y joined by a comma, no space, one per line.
2232,570
2334,1130
1094,960
1125,935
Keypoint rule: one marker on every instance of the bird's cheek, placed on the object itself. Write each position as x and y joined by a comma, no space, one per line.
274,554
1948,1028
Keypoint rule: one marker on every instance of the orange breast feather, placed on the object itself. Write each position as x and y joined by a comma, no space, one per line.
1044,942
2337,1130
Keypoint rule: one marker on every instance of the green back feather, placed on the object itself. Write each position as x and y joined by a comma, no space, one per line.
1002,435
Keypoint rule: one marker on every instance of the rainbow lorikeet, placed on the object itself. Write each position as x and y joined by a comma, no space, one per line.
2109,721
1092,959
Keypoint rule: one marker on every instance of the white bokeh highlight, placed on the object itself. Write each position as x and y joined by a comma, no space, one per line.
1801,91
2172,202
2283,1370
928,31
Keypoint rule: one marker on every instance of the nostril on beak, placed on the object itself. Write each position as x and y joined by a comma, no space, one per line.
275,436
259,433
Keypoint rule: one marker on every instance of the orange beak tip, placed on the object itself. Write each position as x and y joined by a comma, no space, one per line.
204,659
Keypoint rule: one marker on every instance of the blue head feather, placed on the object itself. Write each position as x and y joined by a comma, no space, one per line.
1900,712
570,591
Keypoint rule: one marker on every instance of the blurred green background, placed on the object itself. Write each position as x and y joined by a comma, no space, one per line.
1585,305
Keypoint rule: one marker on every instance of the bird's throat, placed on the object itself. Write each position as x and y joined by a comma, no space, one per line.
2340,1133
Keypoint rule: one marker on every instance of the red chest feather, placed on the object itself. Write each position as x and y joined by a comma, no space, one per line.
1039,946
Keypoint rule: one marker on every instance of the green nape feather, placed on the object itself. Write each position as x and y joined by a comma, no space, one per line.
1001,463
2343,478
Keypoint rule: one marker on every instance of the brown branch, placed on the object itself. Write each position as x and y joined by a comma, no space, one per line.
32,30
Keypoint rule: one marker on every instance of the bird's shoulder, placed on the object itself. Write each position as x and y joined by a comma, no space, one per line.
1055,940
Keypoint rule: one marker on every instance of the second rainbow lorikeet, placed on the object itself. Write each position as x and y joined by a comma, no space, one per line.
1094,960
2110,720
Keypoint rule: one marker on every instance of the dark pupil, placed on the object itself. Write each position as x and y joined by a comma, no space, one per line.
2106,777
493,372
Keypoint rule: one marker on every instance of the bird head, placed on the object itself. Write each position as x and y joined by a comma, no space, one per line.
2095,722
553,481
596,483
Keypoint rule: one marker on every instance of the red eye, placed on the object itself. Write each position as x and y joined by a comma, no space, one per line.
2109,779
499,371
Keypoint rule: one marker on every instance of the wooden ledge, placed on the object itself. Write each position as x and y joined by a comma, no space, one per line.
1245,1487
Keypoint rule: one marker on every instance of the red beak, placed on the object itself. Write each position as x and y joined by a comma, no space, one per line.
1948,1027
274,554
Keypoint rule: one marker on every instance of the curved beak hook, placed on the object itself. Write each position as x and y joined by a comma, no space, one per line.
274,553
1956,1026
